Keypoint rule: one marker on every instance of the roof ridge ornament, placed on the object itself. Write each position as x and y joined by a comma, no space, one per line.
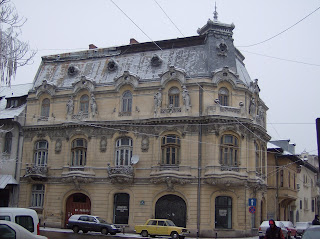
215,13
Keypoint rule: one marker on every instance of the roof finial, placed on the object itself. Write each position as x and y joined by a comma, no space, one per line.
215,13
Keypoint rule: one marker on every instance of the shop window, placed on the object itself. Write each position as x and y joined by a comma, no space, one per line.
223,212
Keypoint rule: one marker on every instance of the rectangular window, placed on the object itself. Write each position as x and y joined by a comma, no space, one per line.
300,204
281,178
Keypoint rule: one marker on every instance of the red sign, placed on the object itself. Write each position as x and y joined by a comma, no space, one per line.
252,209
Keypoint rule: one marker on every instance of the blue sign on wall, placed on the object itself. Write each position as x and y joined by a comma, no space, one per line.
252,202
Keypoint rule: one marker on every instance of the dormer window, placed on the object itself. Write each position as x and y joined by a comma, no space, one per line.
156,60
112,65
15,102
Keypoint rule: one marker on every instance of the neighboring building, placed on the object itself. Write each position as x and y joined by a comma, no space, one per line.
307,203
292,191
173,129
12,117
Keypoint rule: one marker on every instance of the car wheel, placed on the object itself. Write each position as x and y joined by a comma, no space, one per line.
113,233
84,231
174,235
144,233
75,229
181,237
104,231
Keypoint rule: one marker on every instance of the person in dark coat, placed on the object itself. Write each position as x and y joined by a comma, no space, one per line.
273,232
316,220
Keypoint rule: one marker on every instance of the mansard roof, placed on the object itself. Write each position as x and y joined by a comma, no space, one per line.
199,56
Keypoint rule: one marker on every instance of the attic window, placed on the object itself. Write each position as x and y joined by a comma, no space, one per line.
72,70
156,60
222,49
112,65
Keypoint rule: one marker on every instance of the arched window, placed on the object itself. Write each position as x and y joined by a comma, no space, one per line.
7,143
79,153
41,153
174,96
84,104
229,150
224,96
170,147
45,108
123,151
223,211
37,195
127,101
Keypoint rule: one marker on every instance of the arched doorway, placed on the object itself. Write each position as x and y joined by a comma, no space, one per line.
77,203
121,208
172,207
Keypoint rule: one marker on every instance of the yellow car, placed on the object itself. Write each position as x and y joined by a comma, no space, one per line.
161,227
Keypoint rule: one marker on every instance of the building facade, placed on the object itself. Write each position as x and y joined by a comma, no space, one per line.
13,101
292,193
173,129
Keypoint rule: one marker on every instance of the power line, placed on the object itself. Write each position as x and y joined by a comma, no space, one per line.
135,24
169,18
282,59
283,30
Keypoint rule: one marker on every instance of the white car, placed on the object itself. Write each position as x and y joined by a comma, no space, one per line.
15,231
265,225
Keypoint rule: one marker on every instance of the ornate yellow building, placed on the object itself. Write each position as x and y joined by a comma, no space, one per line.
173,129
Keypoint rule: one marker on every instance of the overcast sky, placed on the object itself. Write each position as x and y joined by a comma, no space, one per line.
289,89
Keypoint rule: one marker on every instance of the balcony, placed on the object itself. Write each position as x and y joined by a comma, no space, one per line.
171,174
36,171
226,176
121,174
225,110
77,175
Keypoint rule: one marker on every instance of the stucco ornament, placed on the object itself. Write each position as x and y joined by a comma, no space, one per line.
103,144
145,144
93,105
58,146
70,106
186,98
73,70
252,107
157,100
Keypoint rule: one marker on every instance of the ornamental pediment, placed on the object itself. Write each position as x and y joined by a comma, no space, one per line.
225,74
46,87
127,78
84,83
173,74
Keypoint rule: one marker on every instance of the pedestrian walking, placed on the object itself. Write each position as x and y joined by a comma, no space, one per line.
273,232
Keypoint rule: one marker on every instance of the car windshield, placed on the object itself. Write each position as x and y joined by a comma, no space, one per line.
101,220
170,223
311,233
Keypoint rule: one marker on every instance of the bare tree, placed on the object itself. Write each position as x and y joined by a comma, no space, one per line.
13,52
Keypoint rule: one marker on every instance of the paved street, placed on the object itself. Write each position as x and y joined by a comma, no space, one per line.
55,233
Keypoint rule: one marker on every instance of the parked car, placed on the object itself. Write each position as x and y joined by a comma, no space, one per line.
313,232
265,225
25,217
91,223
161,227
291,228
11,230
301,227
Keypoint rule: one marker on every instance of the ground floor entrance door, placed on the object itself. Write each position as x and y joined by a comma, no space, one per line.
172,207
77,203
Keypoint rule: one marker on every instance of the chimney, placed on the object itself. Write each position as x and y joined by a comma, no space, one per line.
133,41
92,46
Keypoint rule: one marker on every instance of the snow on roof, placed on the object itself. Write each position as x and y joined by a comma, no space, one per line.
7,92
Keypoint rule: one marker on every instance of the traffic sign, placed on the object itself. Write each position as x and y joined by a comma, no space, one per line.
252,209
252,202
